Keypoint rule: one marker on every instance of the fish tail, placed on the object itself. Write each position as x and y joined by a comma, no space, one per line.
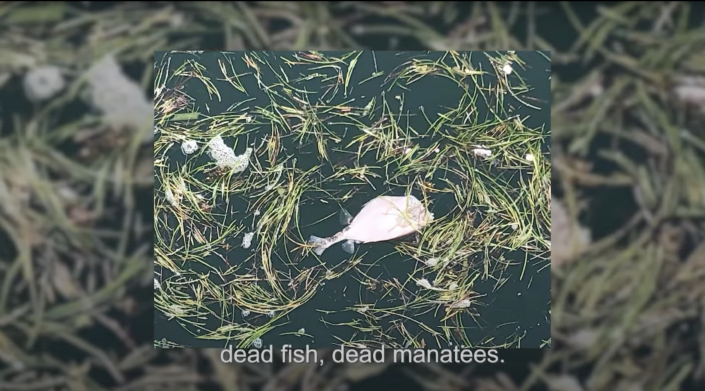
321,244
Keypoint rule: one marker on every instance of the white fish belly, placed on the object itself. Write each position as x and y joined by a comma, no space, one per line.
374,209
383,218
378,229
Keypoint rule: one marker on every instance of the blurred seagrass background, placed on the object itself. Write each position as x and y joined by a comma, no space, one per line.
76,187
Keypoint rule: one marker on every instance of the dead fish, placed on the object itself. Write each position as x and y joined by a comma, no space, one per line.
383,218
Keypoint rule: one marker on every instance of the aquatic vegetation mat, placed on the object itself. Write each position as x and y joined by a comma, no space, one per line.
76,194
255,152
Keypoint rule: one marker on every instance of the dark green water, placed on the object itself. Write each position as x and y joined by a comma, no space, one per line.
519,308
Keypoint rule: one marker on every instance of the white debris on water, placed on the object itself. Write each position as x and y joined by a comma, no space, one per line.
529,157
424,283
174,196
362,310
225,157
156,284
431,262
257,343
461,304
120,99
271,313
247,240
482,152
245,313
42,83
301,331
507,69
189,146
170,198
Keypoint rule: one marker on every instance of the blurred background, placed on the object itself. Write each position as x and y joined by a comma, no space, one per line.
76,169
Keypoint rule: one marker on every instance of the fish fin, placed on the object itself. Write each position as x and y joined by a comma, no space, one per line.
319,243
349,247
345,217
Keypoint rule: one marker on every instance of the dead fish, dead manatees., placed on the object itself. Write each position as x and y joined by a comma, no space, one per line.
383,218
